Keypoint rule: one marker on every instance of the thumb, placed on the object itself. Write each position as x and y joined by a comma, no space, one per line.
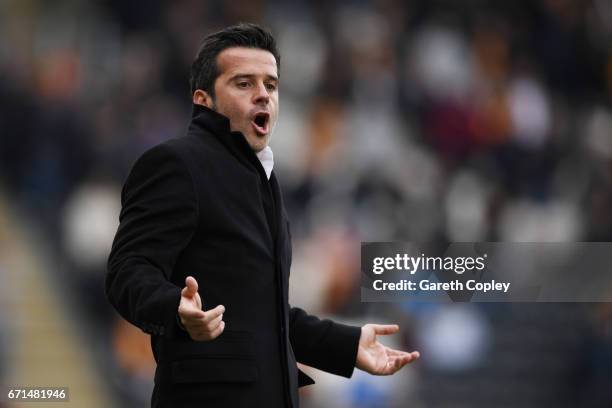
191,287
385,328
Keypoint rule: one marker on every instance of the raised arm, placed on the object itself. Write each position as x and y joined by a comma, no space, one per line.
339,348
158,218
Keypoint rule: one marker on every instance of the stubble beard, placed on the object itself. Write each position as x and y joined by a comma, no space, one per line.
269,136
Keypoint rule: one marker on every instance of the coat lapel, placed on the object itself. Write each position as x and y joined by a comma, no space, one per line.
219,127
278,212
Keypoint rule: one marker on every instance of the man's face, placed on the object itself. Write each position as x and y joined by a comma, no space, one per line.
246,91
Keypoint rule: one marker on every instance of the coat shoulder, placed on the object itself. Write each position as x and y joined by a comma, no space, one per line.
199,147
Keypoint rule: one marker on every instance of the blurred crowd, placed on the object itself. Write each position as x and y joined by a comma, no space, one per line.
400,120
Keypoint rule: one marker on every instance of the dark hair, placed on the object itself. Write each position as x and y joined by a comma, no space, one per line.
204,70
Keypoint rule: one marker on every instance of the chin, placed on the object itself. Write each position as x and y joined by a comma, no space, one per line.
258,144
258,148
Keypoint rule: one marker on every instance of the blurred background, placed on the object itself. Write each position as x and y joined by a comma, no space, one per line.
423,120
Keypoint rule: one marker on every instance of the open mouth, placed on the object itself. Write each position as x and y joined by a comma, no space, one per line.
260,123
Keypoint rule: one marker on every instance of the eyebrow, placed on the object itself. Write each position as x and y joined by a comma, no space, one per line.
250,76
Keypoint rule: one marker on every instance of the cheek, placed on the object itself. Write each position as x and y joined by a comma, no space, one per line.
239,109
275,108
234,112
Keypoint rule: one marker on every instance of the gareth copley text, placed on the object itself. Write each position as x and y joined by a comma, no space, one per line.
428,286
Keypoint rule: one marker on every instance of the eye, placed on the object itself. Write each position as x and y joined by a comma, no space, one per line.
271,87
243,84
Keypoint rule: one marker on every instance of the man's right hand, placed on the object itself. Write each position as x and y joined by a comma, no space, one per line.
199,324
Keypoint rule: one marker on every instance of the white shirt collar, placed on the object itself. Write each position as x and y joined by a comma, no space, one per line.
266,157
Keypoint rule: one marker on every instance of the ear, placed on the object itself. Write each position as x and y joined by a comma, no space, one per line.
201,97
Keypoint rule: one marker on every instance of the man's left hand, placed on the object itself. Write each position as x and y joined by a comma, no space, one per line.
375,358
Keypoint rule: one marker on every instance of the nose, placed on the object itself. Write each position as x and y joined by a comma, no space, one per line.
261,95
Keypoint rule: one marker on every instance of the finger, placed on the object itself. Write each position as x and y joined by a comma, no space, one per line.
214,313
190,315
389,368
385,328
217,332
191,287
398,353
195,324
393,352
408,357
197,300
400,362
213,324
394,364
202,333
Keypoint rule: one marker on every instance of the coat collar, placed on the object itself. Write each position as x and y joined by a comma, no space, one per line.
215,122
219,126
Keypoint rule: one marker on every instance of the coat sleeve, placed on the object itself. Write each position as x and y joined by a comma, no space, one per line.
158,218
323,344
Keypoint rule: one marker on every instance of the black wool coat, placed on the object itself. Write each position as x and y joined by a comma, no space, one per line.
202,205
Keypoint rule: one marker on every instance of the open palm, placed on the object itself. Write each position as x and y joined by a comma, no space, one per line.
376,358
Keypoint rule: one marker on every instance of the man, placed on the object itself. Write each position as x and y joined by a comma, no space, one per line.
205,212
